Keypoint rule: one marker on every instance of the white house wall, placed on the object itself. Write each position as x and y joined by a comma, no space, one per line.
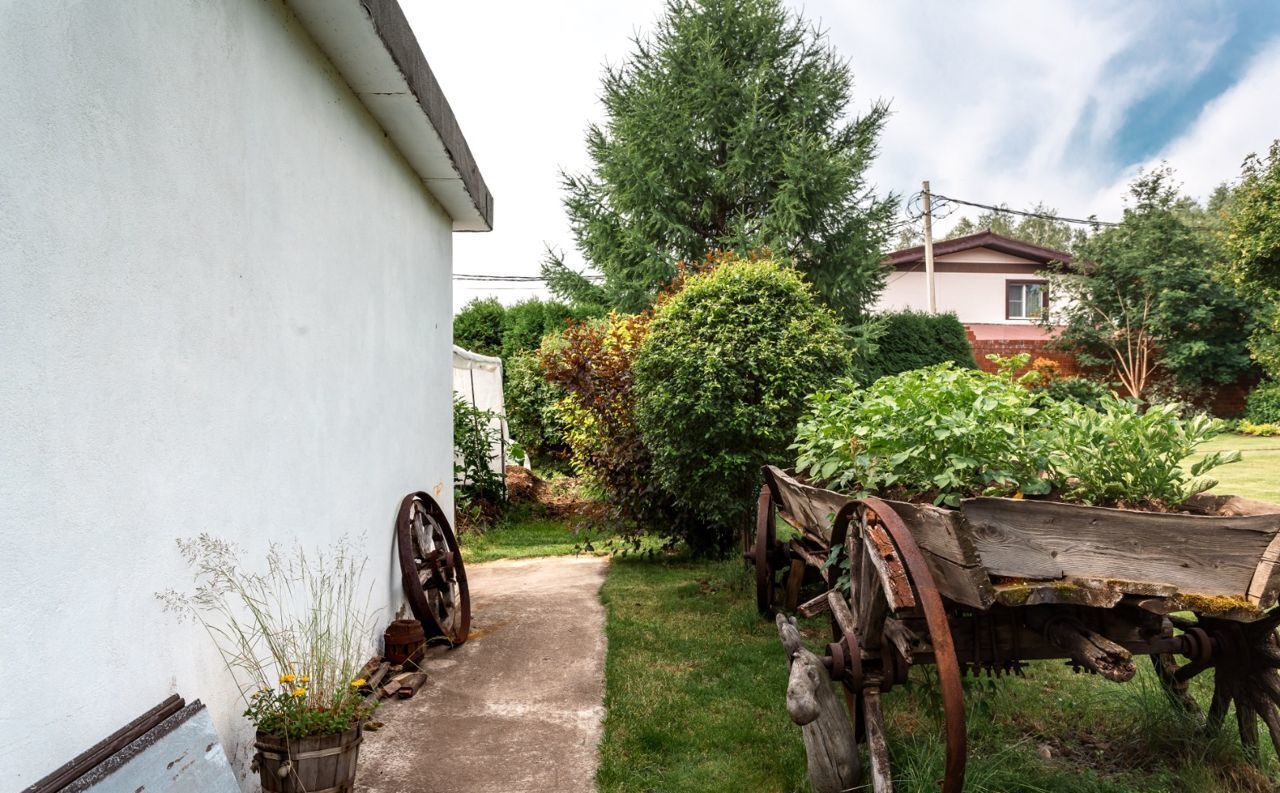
974,297
224,307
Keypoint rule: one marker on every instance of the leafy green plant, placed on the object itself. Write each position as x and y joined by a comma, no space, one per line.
1080,390
939,432
293,638
1262,406
478,326
1122,455
476,433
916,339
720,382
531,401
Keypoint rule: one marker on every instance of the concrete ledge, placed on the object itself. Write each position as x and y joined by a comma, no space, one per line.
374,49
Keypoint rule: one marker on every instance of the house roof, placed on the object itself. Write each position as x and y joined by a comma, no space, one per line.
374,49
983,239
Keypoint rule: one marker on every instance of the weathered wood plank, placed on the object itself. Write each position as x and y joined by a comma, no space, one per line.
1265,584
814,607
950,552
877,746
829,741
1047,540
882,554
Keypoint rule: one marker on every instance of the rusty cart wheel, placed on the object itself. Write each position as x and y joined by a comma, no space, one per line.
1244,657
892,613
764,553
433,576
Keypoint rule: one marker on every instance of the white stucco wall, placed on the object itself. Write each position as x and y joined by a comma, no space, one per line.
225,307
974,297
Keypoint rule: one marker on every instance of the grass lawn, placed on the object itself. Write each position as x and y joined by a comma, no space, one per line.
521,535
1255,476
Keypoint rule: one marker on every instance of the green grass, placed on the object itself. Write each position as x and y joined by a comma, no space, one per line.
695,699
521,535
1257,475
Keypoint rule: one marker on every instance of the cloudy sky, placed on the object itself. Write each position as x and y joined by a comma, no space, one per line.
994,102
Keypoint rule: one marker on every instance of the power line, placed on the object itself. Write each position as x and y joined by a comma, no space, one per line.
1042,216
509,278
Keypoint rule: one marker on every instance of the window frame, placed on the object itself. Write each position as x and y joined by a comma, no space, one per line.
1025,282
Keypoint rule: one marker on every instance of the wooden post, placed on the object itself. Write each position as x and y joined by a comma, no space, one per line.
829,741
928,248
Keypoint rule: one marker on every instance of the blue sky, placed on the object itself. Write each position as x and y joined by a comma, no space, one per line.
993,101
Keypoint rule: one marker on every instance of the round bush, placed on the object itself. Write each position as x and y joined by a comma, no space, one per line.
1263,404
720,383
916,339
478,326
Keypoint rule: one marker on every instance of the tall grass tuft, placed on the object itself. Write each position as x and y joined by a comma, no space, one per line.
293,637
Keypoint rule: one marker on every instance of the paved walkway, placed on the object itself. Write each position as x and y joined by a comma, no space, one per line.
517,708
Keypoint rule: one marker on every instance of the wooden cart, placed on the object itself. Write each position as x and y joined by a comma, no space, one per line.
999,582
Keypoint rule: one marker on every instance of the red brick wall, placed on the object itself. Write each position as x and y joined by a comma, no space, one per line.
1227,401
1037,348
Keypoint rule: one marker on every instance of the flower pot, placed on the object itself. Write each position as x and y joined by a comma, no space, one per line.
316,764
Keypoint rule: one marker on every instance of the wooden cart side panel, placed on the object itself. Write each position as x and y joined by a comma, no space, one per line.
813,508
949,551
1192,553
1264,587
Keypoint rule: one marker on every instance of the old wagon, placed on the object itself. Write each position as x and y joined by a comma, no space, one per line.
998,582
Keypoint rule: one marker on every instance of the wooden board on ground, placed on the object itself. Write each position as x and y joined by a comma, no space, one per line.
1217,555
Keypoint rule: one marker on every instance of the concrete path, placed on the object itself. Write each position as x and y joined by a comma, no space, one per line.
518,707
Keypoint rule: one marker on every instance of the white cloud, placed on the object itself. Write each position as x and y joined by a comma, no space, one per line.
993,101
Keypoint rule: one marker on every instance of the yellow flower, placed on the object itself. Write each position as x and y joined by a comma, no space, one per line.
288,678
359,681
299,692
304,679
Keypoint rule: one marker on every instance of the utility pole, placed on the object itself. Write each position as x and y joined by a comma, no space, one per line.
928,248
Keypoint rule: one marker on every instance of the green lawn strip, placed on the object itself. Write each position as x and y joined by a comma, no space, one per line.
695,698
1257,475
521,534
695,684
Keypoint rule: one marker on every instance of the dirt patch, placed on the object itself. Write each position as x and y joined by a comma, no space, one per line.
518,707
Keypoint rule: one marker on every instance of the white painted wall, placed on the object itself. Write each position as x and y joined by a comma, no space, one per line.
976,298
225,307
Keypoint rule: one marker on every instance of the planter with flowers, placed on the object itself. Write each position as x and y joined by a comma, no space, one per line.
293,639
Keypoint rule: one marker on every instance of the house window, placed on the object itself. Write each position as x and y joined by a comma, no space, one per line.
1025,299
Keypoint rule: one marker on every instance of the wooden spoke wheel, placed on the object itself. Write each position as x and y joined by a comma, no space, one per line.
434,579
1245,657
892,614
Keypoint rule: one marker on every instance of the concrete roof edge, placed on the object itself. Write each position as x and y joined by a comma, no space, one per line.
400,51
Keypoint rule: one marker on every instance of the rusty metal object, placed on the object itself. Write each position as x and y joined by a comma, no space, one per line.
404,642
761,552
432,573
944,653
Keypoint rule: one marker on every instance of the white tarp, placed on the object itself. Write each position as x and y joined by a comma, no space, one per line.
478,378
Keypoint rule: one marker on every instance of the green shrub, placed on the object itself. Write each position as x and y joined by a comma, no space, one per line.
526,323
1263,403
531,402
1080,390
914,340
475,432
941,433
720,382
478,326
591,361
1124,455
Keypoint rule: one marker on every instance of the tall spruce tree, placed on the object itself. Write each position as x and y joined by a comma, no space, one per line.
727,128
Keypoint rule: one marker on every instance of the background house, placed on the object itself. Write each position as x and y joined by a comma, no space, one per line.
225,307
996,285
